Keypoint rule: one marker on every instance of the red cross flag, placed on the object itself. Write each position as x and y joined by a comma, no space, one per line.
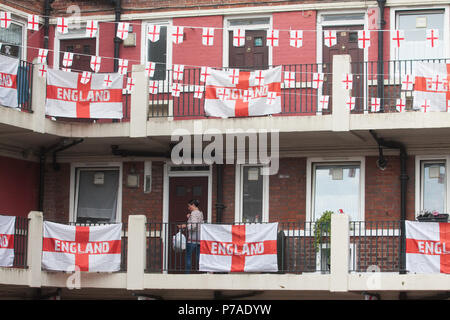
8,81
123,66
347,81
224,98
351,101
272,38
122,30
68,96
427,247
130,85
33,22
95,63
400,105
91,28
208,36
323,103
88,249
198,91
7,224
431,85
289,79
363,39
177,34
205,72
397,36
62,25
296,38
375,104
153,86
317,80
150,68
153,32
238,248
178,70
432,38
5,19
407,82
176,89
42,55
43,70
67,59
330,38
238,37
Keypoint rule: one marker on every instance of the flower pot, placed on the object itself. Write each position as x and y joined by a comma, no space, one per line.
442,217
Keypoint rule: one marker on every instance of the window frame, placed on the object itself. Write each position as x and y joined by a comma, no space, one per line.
393,52
310,183
74,183
24,46
419,165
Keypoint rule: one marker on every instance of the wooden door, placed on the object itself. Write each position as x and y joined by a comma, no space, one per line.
253,55
181,191
347,43
82,49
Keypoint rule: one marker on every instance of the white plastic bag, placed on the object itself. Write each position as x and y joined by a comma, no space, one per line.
179,242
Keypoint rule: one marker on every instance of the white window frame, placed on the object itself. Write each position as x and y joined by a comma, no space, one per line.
74,185
238,212
23,24
310,181
393,52
227,28
58,37
419,179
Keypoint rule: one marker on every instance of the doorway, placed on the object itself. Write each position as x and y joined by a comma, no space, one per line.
254,55
82,49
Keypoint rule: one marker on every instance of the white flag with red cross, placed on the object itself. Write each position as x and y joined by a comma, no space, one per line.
7,225
87,248
8,81
238,248
427,247
431,86
68,96
239,103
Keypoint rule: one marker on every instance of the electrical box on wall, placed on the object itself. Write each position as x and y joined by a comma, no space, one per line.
130,41
147,176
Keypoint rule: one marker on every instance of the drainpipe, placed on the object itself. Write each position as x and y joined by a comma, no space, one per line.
47,11
380,68
219,201
117,11
403,185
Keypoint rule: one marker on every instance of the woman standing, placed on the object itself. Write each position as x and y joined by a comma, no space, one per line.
194,218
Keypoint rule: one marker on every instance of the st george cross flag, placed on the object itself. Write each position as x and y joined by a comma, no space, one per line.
238,248
7,224
91,248
238,103
8,81
68,97
427,247
431,86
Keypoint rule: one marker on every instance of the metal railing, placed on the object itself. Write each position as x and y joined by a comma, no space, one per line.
301,99
366,84
21,242
297,251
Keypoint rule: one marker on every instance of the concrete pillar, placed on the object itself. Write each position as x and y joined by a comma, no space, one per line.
136,252
38,99
35,233
139,103
339,252
341,112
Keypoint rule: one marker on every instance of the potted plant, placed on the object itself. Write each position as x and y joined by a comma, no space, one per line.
322,234
432,216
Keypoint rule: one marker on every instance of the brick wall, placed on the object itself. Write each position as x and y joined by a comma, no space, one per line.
57,192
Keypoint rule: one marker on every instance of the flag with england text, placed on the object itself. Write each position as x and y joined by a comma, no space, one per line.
83,248
7,225
76,95
8,81
431,86
238,248
427,247
237,93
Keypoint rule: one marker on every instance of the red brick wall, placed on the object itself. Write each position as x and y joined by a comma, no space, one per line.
57,192
19,186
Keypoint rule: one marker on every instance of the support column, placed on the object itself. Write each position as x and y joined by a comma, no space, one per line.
139,103
339,249
341,112
34,254
38,99
137,253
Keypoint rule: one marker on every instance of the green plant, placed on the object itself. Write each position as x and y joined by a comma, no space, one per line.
322,229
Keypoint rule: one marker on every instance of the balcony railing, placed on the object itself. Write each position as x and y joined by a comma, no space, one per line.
301,99
20,242
25,85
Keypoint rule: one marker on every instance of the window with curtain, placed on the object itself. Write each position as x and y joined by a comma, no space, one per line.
157,52
97,193
415,24
11,40
252,194
434,186
336,186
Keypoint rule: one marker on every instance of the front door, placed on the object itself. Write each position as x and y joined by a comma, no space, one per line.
253,55
347,43
181,191
82,49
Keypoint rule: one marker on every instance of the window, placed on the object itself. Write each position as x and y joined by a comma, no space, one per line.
12,40
158,52
252,199
96,195
336,186
433,186
415,24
